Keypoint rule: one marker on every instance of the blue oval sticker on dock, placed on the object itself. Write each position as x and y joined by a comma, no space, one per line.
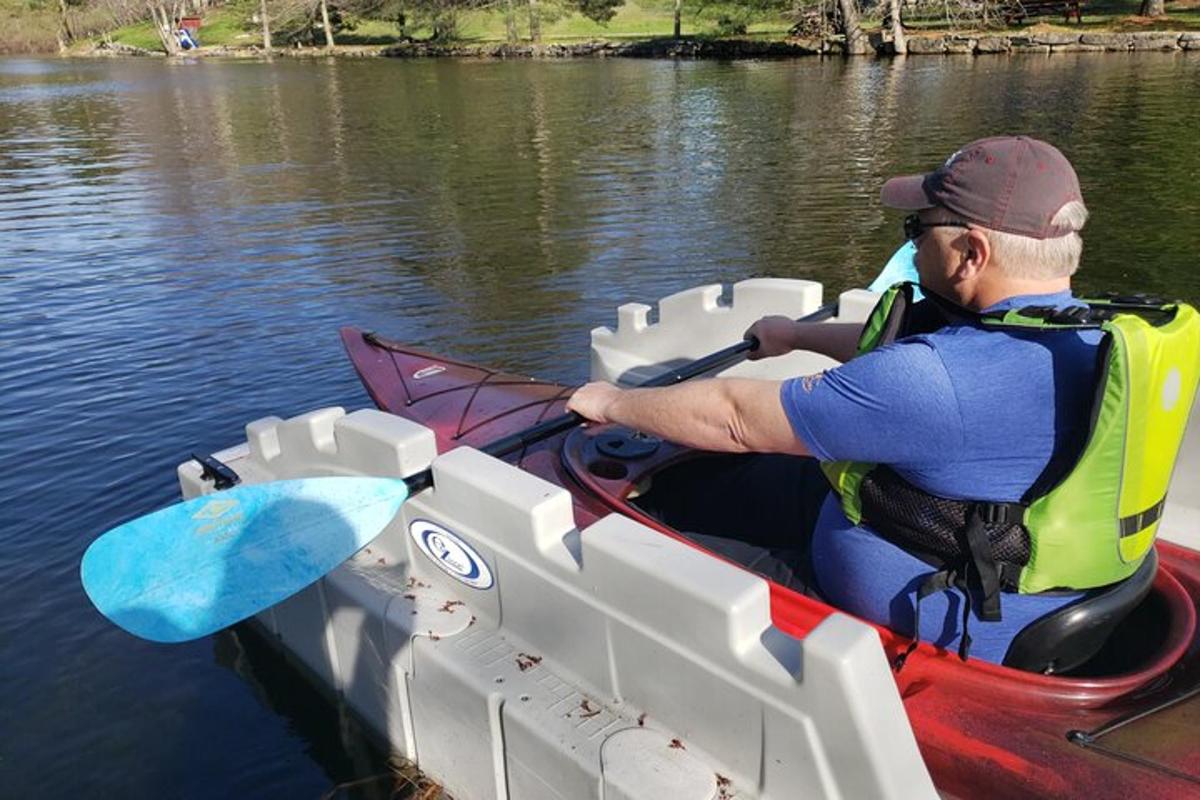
451,554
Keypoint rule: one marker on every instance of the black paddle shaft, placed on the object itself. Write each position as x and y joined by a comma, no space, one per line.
544,430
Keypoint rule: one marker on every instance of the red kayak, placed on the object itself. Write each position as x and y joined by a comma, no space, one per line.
1125,723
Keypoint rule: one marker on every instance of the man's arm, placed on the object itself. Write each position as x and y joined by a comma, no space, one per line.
729,415
779,335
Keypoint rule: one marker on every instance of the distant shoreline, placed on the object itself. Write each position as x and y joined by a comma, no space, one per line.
1043,42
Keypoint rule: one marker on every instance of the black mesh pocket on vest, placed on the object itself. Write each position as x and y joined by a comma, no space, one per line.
930,526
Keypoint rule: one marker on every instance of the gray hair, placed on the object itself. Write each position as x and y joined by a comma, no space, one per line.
1042,259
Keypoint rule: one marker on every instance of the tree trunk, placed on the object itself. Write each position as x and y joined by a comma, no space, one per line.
262,12
164,26
898,40
535,22
856,40
510,22
65,37
1153,8
325,22
678,9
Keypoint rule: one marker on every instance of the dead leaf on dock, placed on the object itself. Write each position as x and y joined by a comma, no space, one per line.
526,661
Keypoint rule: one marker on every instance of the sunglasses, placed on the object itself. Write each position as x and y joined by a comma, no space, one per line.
914,227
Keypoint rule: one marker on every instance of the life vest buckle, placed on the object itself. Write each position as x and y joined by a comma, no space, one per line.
1074,315
1038,312
1000,513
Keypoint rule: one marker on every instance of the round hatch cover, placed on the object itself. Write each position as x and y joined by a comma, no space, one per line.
626,444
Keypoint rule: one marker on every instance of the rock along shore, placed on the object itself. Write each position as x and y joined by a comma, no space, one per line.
952,44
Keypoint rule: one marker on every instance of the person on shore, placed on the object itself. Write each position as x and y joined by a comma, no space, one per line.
954,420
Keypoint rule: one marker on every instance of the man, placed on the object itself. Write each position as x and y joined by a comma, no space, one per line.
960,412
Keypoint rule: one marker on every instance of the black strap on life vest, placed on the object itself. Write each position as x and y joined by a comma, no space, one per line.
977,575
986,570
940,581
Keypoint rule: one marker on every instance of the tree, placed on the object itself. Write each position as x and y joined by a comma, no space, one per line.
856,41
164,17
1153,8
510,22
600,10
65,35
266,26
325,24
898,40
535,22
440,17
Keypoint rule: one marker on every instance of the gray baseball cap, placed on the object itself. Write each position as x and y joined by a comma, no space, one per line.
1007,183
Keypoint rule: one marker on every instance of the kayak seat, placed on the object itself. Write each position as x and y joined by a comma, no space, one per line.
1069,637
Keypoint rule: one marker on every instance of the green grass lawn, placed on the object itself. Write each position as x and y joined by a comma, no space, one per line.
632,21
230,25
137,36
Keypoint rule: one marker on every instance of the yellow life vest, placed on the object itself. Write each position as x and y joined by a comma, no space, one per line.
1092,526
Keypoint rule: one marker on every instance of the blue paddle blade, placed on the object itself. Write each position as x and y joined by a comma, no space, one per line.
196,567
902,266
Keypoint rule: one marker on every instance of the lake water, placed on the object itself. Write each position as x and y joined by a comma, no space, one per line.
179,243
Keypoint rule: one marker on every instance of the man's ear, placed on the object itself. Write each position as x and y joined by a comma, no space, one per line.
977,253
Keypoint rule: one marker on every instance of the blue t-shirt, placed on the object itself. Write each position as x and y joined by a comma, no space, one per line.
963,413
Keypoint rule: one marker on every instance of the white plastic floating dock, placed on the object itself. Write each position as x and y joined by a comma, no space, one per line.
611,662
694,323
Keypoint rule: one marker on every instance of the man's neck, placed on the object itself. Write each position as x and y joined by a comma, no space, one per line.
987,295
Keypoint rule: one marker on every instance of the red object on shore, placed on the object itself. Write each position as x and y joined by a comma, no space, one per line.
190,24
1131,729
